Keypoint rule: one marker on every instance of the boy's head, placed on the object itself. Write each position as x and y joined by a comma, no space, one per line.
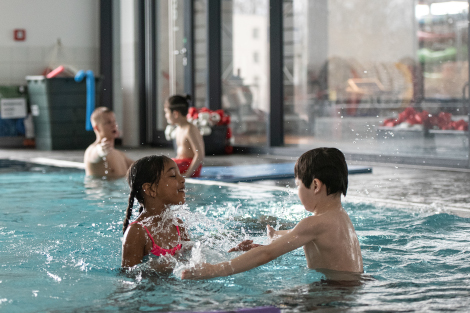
178,103
104,123
327,165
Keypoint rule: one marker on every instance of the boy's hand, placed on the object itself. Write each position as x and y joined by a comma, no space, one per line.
104,147
200,271
271,233
245,245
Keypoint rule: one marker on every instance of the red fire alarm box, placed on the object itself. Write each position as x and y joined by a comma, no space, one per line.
19,34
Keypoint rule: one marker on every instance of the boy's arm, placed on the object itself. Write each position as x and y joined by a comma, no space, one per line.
245,245
274,234
197,145
303,233
96,152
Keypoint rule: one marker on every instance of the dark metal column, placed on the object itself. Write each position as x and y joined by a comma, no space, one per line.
188,60
276,64
150,69
106,53
141,74
214,54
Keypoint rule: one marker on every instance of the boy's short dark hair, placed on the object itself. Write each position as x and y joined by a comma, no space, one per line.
179,103
326,164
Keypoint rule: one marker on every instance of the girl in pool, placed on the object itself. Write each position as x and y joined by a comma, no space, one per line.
156,183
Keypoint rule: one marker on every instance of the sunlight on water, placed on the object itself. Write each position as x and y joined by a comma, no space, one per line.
60,249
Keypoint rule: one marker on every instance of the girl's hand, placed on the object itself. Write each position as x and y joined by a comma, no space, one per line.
245,245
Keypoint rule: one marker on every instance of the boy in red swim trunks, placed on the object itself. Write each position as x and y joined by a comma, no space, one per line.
190,150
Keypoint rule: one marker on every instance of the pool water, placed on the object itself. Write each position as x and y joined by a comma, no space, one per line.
60,250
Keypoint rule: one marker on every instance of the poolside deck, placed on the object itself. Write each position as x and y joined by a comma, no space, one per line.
422,188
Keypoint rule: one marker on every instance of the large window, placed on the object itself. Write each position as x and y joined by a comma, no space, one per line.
377,78
245,69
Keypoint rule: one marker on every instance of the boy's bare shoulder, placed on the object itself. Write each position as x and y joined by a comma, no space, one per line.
193,128
89,150
319,223
91,146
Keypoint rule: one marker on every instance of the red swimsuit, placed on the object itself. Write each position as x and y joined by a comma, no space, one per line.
157,250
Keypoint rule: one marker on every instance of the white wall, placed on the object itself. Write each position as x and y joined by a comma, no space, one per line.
75,22
129,79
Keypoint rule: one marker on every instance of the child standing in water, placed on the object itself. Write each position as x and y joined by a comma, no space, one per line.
190,150
101,158
328,237
156,183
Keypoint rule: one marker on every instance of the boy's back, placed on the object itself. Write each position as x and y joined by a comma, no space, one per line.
335,245
188,136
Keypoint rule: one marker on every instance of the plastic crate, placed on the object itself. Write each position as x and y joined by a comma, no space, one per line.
12,130
58,106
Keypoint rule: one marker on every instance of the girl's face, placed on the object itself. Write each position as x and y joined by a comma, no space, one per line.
171,188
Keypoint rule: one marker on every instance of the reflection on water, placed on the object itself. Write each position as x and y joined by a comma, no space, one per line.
99,188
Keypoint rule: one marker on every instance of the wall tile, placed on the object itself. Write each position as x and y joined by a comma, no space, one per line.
5,55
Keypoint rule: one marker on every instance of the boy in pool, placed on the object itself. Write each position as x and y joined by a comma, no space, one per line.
328,237
190,150
101,158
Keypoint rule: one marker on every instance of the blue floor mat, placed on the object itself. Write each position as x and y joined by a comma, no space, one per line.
248,173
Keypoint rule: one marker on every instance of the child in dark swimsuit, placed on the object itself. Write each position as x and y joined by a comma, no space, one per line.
156,183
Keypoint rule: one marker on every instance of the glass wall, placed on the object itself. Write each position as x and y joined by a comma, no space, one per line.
377,77
200,53
245,69
170,54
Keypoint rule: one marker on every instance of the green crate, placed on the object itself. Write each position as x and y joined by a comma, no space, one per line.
59,112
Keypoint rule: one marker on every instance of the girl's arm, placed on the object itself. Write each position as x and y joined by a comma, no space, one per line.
183,231
294,239
133,246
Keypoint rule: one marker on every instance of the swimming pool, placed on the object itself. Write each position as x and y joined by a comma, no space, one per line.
60,250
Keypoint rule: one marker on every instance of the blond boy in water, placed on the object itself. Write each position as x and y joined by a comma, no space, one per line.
328,237
101,158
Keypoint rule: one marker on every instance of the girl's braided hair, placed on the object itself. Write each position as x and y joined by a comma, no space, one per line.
145,170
